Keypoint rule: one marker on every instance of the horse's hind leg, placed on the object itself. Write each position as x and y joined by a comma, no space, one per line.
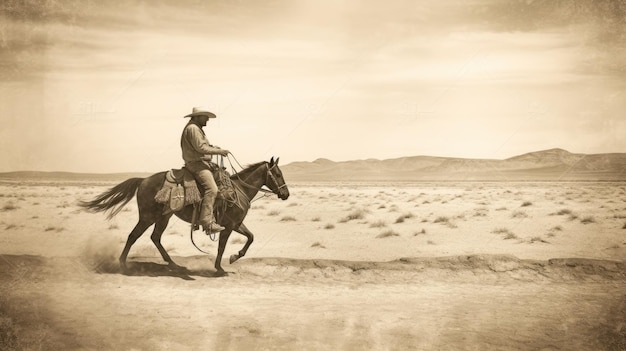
224,234
141,227
250,238
159,228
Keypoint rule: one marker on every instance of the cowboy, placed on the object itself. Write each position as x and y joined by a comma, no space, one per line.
197,155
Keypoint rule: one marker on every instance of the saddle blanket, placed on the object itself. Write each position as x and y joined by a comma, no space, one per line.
179,190
175,196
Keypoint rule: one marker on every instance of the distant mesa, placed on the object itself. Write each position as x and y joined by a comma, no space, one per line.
550,165
322,161
546,165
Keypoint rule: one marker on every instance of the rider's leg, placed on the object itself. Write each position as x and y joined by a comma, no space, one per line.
210,192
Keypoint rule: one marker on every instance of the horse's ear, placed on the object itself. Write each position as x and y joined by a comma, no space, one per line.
277,160
272,161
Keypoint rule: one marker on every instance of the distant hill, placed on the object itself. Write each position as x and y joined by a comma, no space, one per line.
553,164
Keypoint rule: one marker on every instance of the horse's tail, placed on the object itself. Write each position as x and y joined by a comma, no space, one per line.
115,199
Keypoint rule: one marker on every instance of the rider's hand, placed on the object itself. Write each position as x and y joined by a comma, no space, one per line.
224,152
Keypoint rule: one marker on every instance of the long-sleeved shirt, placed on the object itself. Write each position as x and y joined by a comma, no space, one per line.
194,143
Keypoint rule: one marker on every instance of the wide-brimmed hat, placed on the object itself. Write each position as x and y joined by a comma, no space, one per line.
201,111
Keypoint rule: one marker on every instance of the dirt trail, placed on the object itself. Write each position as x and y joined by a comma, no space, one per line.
450,303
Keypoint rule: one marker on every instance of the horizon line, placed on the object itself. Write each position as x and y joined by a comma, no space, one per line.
319,158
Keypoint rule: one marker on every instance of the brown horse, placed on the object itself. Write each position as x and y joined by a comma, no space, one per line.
249,182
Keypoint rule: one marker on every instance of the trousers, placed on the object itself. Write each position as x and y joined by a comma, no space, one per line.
205,177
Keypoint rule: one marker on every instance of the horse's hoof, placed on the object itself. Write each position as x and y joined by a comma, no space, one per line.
221,273
233,258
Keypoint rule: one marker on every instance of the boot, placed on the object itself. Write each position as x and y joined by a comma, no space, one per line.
212,228
207,219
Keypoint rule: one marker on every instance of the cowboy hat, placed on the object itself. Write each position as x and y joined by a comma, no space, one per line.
201,111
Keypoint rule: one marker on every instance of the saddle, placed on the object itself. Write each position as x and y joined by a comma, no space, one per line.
181,189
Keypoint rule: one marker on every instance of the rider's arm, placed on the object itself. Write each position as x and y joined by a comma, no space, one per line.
199,142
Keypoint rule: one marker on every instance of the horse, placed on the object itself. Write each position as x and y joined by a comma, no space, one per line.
248,182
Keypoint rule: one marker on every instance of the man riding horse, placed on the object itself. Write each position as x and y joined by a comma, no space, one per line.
197,154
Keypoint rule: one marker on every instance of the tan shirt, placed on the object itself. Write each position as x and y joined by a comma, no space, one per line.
194,143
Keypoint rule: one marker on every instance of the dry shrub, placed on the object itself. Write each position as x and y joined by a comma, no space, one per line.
378,224
587,220
356,214
421,232
445,221
387,234
288,219
526,204
318,244
9,207
404,216
519,214
441,219
329,226
564,211
273,213
481,212
315,219
510,236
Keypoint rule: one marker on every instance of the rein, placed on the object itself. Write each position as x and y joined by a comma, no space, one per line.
199,249
267,192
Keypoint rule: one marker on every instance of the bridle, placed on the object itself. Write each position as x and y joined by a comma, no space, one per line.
271,175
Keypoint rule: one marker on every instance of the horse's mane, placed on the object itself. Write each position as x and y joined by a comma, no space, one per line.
249,168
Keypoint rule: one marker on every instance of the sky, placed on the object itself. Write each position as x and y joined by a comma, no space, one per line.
102,86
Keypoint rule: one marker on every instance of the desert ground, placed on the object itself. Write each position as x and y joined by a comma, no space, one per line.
349,266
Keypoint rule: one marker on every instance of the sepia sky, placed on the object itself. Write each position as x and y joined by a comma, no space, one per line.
92,86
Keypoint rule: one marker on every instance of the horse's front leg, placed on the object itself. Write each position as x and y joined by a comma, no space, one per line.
250,238
224,234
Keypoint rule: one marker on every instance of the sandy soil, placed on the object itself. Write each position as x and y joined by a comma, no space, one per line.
442,266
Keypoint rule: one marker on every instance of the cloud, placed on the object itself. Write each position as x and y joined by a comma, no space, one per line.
384,72
597,25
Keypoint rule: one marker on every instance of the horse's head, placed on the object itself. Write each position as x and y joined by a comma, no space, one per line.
275,180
